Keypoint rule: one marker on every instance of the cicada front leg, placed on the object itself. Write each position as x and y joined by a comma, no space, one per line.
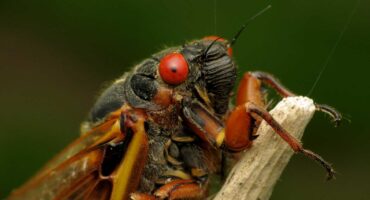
141,196
180,189
250,108
177,189
249,89
238,131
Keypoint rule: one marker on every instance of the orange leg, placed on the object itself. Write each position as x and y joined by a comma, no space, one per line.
293,142
180,189
243,120
141,196
250,106
204,123
247,87
274,83
249,90
177,189
240,124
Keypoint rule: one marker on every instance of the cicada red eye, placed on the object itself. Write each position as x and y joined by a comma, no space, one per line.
173,68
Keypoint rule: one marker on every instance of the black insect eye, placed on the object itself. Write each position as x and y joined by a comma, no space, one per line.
173,68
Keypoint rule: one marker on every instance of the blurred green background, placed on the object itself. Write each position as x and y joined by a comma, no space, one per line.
55,57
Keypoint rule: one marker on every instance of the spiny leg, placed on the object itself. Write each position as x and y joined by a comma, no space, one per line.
141,196
236,136
275,84
334,114
176,189
293,142
180,189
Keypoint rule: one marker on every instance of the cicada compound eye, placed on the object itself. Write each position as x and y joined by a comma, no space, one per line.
173,68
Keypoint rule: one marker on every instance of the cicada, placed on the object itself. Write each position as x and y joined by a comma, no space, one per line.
160,130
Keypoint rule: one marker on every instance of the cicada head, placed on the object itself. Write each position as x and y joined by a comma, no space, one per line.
202,67
201,70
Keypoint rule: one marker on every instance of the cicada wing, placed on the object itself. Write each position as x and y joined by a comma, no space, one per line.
100,134
102,191
90,188
77,161
75,173
80,189
82,175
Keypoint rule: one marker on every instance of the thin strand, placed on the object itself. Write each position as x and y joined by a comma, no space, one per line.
215,16
332,51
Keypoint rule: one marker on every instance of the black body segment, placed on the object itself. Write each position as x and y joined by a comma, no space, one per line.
143,87
220,75
110,100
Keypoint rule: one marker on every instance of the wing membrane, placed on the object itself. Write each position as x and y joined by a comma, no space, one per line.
65,178
87,140
75,163
77,172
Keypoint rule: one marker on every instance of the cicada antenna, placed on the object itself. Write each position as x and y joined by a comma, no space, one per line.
239,32
210,46
236,36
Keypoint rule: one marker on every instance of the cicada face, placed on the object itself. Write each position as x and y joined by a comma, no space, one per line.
201,70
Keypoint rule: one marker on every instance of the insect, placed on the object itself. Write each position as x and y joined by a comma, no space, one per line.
158,132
